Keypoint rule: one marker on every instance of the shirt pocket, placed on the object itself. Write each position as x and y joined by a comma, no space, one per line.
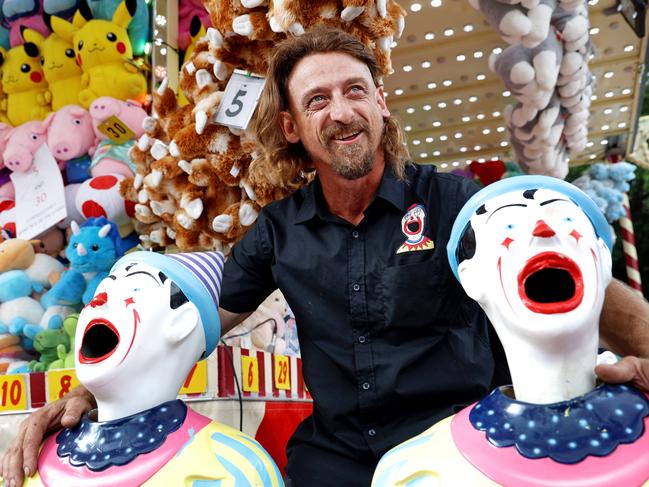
412,294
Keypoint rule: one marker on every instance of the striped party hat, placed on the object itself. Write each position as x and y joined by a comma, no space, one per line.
198,275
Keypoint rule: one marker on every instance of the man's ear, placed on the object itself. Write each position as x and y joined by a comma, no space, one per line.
287,122
180,323
470,279
380,99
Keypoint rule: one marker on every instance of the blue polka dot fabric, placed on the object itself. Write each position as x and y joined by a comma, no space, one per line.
98,446
567,432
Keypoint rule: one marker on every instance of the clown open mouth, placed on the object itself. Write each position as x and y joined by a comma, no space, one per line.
413,227
100,340
551,283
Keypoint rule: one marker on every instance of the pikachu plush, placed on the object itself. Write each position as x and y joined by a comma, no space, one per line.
62,73
197,32
103,50
24,84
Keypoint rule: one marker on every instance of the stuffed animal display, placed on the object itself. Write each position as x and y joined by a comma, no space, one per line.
546,69
198,185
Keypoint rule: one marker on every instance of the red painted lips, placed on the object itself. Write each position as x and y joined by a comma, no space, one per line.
100,340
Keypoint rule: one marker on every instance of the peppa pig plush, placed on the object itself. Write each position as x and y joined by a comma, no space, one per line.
22,142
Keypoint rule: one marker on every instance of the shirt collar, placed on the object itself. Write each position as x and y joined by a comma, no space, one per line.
390,189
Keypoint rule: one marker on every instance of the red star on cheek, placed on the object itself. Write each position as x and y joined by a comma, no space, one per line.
506,242
129,301
576,235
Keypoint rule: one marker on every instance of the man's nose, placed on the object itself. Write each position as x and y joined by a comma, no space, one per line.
542,229
340,110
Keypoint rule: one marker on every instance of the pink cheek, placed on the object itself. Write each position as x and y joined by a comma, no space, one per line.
36,77
121,48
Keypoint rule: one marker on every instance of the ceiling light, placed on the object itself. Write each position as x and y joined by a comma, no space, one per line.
425,64
429,139
443,138
431,86
628,48
407,68
626,91
423,155
605,127
449,32
504,143
594,31
478,54
604,141
481,160
426,108
447,82
497,50
416,142
507,93
486,131
500,129
457,101
436,153
495,114
415,7
457,135
495,158
410,110
466,118
609,74
460,57
480,116
593,97
463,149
476,147
468,28
429,36
437,123
592,156
480,77
443,165
608,111
608,94
408,128
624,108
473,98
456,163
590,144
593,2
442,104
621,125
398,91
436,3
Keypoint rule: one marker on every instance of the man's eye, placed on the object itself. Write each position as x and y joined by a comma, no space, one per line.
316,99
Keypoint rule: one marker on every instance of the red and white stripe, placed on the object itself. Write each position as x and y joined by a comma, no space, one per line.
630,253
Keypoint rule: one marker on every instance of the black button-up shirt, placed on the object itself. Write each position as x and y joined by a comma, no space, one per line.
390,342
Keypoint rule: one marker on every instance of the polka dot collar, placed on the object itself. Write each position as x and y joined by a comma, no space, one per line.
99,446
567,432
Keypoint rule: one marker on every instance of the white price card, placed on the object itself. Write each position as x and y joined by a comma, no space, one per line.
240,99
40,198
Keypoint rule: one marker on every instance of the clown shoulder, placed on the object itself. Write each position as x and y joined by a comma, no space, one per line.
534,252
148,323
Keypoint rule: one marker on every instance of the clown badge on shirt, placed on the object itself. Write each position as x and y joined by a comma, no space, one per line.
412,226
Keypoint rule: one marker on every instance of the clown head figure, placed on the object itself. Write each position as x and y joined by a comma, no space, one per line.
413,225
149,322
534,251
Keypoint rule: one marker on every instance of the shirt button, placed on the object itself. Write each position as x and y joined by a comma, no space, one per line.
356,287
361,339
366,385
371,432
355,234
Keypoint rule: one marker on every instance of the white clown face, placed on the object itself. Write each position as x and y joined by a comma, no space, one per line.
412,224
539,270
120,333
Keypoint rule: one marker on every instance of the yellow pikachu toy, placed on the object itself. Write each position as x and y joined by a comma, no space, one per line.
24,84
60,68
103,50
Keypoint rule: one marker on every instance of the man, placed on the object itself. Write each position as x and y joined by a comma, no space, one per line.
390,343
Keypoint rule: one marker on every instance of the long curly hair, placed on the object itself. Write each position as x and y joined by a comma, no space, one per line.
286,164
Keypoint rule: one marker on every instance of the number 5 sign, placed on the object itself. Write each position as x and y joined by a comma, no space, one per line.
240,99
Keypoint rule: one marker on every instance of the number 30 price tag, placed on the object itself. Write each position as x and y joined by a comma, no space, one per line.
250,372
240,99
116,130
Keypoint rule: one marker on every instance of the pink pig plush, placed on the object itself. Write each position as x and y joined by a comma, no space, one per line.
71,137
6,186
22,142
111,157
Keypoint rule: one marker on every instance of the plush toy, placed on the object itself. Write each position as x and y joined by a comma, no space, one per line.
70,137
21,14
197,31
104,52
20,314
18,254
24,83
100,197
139,30
7,190
47,343
22,143
64,353
60,68
188,10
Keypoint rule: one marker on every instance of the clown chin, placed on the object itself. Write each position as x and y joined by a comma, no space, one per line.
551,283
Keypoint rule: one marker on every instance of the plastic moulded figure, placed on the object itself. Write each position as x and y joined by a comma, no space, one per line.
534,252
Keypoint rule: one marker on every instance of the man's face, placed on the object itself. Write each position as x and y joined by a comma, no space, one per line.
336,112
119,331
538,267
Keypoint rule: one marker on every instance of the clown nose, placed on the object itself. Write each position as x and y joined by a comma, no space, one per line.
543,230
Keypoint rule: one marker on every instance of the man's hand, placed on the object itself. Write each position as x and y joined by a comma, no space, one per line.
630,369
20,458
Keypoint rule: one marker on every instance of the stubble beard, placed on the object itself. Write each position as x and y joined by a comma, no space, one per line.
350,161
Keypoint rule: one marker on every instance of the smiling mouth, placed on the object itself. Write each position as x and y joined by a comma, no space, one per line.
348,137
100,340
94,49
54,66
551,283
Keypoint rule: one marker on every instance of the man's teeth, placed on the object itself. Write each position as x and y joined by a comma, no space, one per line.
349,136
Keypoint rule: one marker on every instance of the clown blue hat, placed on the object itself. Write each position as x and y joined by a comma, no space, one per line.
523,183
198,275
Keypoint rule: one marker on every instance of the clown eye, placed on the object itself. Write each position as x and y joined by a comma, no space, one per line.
111,37
25,68
568,219
70,53
509,226
80,45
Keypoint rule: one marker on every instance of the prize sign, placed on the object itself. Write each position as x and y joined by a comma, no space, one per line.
239,100
13,393
40,198
250,373
196,381
116,130
282,374
59,383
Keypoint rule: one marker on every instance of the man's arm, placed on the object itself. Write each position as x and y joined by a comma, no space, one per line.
624,329
229,320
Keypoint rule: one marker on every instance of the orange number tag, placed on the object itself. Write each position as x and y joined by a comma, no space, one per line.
282,373
59,383
13,393
250,372
116,130
196,381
